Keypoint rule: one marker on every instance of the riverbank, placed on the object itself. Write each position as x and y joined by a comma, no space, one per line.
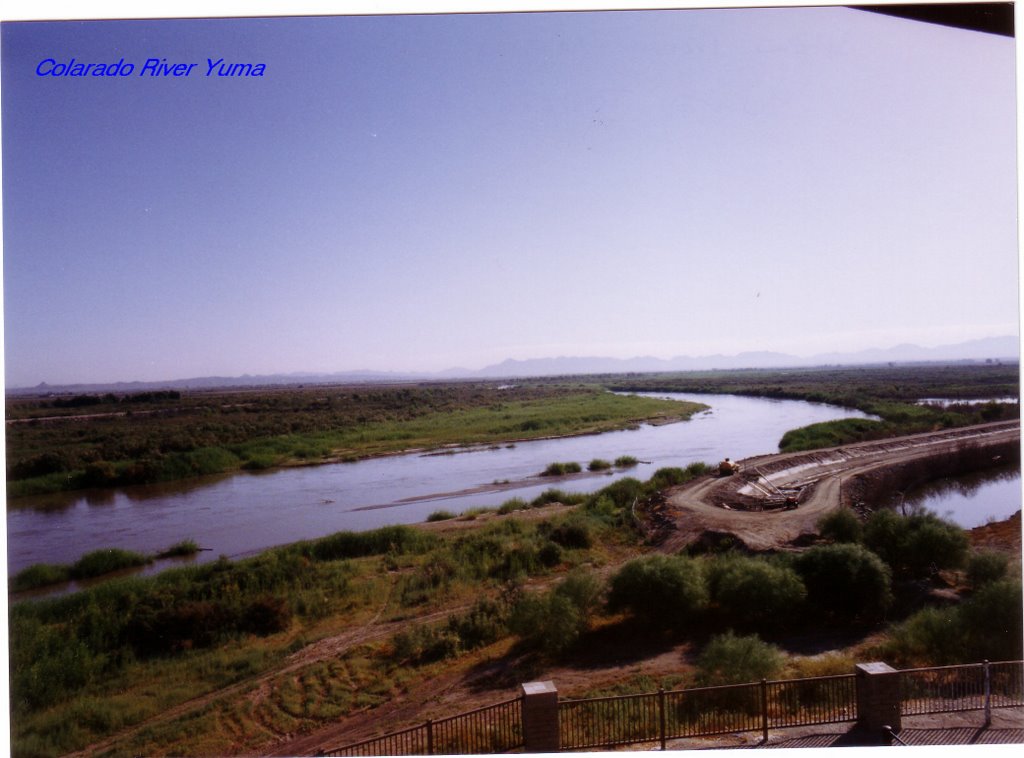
412,630
206,433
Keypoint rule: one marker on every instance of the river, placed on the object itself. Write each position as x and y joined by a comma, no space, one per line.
973,499
244,513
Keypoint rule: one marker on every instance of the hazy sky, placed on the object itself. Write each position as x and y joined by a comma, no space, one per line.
422,192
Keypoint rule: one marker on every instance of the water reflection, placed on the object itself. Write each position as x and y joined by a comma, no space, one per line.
244,513
973,499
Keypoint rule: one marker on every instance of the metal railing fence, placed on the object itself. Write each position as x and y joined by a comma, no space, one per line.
494,728
968,687
705,711
656,717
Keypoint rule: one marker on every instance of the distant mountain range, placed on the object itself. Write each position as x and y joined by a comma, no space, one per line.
993,348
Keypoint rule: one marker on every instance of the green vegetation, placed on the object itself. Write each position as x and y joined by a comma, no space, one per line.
508,595
441,515
181,549
889,392
842,525
598,464
845,583
985,567
625,461
561,469
661,590
732,659
916,545
553,621
987,626
56,445
751,593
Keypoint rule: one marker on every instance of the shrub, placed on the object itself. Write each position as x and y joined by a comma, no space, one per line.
556,496
667,477
39,575
915,546
730,659
388,539
555,620
441,515
549,555
572,534
265,616
842,525
598,464
513,504
560,469
992,623
582,589
846,582
180,549
986,626
424,644
659,589
622,492
625,461
986,566
753,593
549,622
486,622
101,562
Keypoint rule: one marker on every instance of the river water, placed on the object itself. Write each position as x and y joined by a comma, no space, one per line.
973,499
244,513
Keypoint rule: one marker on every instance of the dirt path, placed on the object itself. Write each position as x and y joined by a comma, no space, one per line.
698,508
714,504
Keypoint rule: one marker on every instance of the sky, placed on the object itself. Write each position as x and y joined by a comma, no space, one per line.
420,192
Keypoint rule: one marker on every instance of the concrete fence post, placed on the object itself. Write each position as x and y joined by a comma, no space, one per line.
540,717
988,694
878,698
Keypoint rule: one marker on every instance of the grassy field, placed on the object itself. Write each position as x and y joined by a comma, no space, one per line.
113,441
237,654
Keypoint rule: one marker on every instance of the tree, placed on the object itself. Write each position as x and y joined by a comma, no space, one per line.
914,546
666,591
846,582
751,593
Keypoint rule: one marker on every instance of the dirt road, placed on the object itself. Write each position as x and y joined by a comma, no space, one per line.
825,479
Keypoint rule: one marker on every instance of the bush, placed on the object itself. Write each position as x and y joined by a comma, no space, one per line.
730,659
915,546
751,593
667,477
625,461
573,534
560,469
440,515
39,575
513,504
554,621
424,644
986,626
846,582
667,591
621,492
985,567
388,539
106,561
180,549
598,464
992,623
486,622
842,525
556,496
